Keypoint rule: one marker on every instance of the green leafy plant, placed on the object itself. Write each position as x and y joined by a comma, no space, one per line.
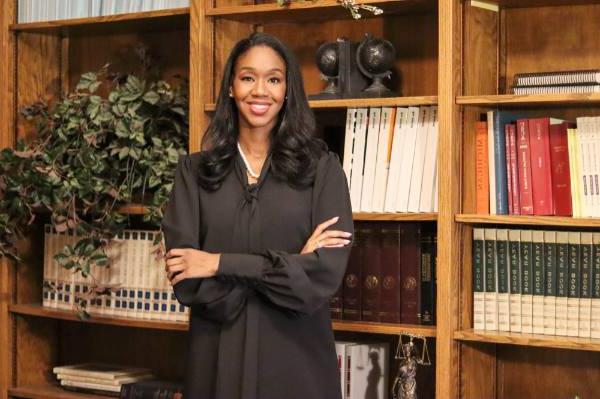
93,154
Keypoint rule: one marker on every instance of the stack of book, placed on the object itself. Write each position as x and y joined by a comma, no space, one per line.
390,157
534,281
363,369
104,379
557,82
152,389
390,275
537,166
136,280
52,10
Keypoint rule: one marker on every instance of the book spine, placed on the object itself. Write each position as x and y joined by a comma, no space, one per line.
514,238
372,144
562,281
358,158
478,279
538,281
509,186
371,263
540,166
410,287
561,180
514,170
427,311
407,157
491,280
524,159
503,279
390,273
595,314
526,281
500,167
574,284
416,178
550,283
391,188
384,155
353,278
482,180
426,202
585,300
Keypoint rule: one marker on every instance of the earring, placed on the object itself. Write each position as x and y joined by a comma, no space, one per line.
230,94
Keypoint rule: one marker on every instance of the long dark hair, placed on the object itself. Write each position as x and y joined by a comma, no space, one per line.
294,150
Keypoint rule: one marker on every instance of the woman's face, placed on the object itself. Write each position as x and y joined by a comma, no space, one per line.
259,87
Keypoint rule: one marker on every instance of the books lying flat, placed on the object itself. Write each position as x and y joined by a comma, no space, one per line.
100,371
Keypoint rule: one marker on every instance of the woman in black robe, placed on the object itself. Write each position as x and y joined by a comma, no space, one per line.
247,230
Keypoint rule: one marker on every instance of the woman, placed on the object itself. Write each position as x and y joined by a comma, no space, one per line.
247,239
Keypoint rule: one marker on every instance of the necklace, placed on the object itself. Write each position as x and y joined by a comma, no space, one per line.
248,167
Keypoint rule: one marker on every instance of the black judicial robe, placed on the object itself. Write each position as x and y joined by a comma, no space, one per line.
261,328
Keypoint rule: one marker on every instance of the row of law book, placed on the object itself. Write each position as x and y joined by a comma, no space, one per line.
537,166
585,81
390,277
363,369
390,158
136,282
537,281
53,10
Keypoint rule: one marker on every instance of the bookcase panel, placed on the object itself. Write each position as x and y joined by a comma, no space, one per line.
163,352
530,373
534,42
30,272
169,49
478,371
36,348
38,57
413,36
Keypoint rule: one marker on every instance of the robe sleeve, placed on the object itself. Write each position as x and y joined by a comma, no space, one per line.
214,299
302,283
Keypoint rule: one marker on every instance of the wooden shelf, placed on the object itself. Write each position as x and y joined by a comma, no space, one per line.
529,100
383,328
544,341
541,3
132,209
50,392
528,220
363,102
40,311
314,10
395,217
66,23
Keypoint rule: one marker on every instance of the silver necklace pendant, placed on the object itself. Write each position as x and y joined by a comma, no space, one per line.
248,167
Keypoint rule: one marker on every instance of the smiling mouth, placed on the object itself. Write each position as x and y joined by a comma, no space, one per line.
259,109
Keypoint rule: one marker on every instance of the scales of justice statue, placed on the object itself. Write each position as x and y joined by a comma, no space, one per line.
410,356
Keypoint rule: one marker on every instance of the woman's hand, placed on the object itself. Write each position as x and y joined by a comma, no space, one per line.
184,263
326,239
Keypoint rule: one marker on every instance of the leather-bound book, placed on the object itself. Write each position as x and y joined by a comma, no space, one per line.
389,310
353,278
410,289
371,265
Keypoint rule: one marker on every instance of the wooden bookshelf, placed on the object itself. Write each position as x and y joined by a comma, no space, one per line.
383,328
395,217
310,10
49,392
529,220
529,100
40,311
541,3
536,340
363,102
116,18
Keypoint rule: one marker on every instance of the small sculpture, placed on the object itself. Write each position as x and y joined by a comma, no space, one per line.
405,383
327,59
375,58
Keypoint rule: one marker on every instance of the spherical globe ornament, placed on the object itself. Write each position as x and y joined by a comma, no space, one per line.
375,56
327,59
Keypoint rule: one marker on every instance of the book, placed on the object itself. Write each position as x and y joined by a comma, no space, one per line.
410,285
384,154
539,285
550,268
526,281
392,185
514,265
524,166
482,178
595,305
358,157
574,291
391,266
562,281
353,277
557,78
585,300
100,371
541,170
503,279
560,169
491,280
478,279
152,389
372,145
427,274
371,273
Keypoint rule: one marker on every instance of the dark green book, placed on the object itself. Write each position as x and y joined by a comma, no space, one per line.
595,324
526,282
585,301
562,281
538,281
491,288
574,284
550,282
478,280
502,265
514,264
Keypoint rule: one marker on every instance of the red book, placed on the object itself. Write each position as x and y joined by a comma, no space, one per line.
353,278
410,289
371,281
524,166
541,169
507,130
482,178
389,311
561,178
514,170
